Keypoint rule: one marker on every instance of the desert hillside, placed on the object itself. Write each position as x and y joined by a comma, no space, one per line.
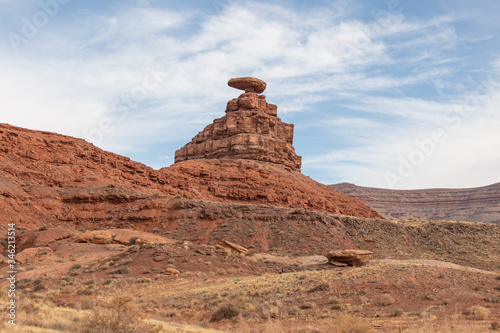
480,204
48,178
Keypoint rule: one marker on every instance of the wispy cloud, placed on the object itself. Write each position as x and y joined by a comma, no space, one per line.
378,83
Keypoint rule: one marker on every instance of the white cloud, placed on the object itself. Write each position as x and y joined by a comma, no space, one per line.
75,74
468,155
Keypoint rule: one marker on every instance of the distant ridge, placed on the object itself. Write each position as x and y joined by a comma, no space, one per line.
479,204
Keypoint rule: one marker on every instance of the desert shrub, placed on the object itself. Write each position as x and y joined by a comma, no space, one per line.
121,270
306,305
293,311
334,300
125,262
121,315
42,228
107,282
495,326
221,271
320,287
225,311
89,282
39,287
397,312
84,292
344,323
86,303
143,280
364,300
23,283
492,299
75,267
477,312
386,300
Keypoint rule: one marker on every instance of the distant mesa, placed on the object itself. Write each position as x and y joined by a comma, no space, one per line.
250,130
248,84
479,204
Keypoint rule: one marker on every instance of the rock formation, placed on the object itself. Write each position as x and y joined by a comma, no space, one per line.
249,130
35,254
349,257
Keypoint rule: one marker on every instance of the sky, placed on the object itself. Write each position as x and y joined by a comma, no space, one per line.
400,94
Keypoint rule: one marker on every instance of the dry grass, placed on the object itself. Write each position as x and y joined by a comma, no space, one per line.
477,312
345,323
120,315
225,311
386,300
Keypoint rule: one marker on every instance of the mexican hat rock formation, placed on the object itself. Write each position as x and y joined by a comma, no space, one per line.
250,130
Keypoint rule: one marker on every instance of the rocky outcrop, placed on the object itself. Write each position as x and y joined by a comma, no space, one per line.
480,204
249,130
349,257
31,255
95,237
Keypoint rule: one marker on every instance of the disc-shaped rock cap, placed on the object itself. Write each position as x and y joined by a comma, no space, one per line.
249,84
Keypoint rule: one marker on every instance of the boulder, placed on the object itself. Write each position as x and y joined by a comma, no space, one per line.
248,84
349,257
35,254
95,236
223,244
172,271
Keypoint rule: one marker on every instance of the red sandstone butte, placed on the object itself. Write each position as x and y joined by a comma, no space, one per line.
245,157
250,130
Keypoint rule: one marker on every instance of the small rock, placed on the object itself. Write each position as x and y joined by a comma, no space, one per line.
249,84
172,271
160,257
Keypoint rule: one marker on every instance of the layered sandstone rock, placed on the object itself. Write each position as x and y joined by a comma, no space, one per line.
249,130
349,257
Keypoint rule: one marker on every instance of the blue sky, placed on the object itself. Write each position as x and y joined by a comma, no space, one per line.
394,94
